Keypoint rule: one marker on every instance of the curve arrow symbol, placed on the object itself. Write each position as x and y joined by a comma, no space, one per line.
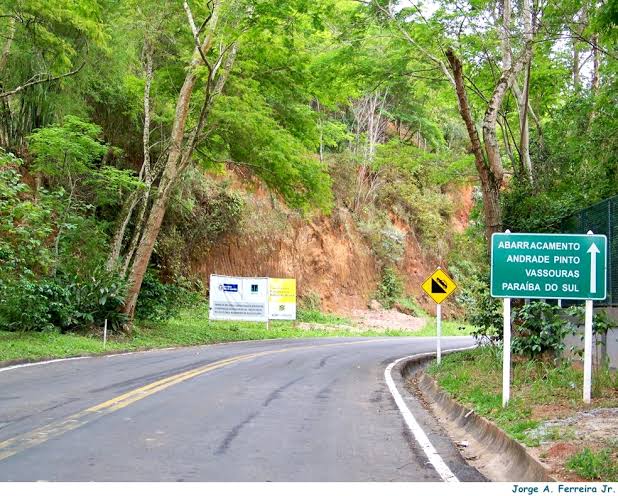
593,250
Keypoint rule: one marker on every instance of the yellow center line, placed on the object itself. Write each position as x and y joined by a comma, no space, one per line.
21,442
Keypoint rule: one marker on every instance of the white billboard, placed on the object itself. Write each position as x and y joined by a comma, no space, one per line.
238,298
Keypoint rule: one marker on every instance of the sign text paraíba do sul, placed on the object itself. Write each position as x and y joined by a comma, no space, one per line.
556,266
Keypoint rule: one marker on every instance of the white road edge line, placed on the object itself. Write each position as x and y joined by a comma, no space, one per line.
417,431
68,359
32,364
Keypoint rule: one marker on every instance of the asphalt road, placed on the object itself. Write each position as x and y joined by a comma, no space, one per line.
281,410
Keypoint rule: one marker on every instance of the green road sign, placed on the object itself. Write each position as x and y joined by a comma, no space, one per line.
556,266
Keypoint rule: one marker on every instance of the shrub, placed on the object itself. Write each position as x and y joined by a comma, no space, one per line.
64,302
310,301
481,310
539,328
161,301
386,241
390,288
200,213
599,465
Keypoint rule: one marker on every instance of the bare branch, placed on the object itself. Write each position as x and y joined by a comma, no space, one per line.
411,40
36,81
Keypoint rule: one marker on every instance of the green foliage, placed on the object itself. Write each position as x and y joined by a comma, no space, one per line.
310,302
390,288
71,156
51,276
539,328
575,166
201,212
47,41
482,311
601,320
159,301
386,241
485,315
411,188
594,464
69,148
25,225
64,303
250,135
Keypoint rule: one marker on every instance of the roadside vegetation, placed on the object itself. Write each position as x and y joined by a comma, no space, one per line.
595,464
546,391
135,139
540,389
191,326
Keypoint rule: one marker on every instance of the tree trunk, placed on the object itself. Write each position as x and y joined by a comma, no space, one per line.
155,216
524,110
179,154
490,186
7,45
144,173
523,99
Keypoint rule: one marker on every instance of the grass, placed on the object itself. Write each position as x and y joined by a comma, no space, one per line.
321,318
449,328
192,327
409,303
474,378
594,465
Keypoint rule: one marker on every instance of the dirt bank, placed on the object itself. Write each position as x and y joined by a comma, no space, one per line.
327,255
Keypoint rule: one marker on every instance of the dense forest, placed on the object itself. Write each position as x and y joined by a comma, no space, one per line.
126,127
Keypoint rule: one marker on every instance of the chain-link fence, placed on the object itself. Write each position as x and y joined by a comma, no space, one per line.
600,218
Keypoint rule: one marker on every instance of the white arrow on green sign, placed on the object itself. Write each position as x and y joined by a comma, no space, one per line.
555,266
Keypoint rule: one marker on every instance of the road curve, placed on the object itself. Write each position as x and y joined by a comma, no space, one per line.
280,410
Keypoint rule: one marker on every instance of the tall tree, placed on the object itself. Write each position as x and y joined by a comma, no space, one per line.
182,142
487,153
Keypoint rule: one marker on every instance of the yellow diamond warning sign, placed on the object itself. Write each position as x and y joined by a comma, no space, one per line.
439,286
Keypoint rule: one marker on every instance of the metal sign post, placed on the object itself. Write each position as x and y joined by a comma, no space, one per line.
548,266
588,353
439,286
438,333
506,352
594,251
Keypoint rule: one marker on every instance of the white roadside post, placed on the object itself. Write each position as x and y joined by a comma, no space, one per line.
588,353
506,348
438,333
588,326
506,354
105,334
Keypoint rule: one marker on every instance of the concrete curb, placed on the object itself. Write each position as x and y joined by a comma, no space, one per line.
513,461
